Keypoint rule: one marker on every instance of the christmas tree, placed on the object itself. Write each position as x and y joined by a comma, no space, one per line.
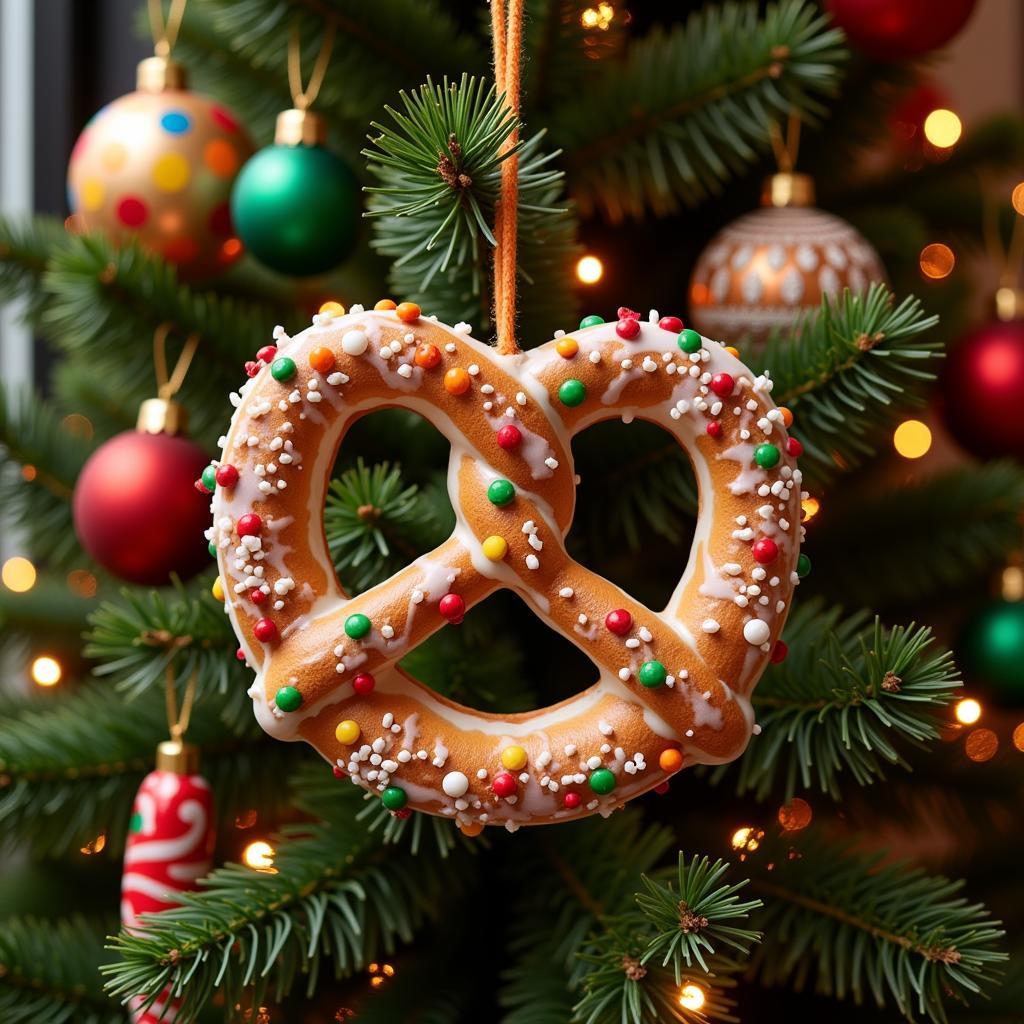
859,853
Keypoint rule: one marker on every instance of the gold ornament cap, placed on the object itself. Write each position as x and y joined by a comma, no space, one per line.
788,188
160,74
178,757
1009,304
300,128
161,416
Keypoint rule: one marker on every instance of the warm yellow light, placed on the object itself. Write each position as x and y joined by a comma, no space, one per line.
967,711
912,439
1017,198
18,574
691,997
259,855
747,838
96,846
590,270
599,17
46,671
942,128
82,582
937,261
811,507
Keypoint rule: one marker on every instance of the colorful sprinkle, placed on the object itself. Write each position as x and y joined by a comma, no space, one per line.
249,525
619,621
408,312
394,798
602,781
572,801
364,683
265,630
357,626
803,566
766,455
671,323
209,478
714,429
427,356
670,760
500,492
787,417
503,784
495,548
282,368
452,607
510,437
288,698
779,652
572,392
689,341
347,732
765,551
652,673
333,307
567,347
591,321
514,758
471,829
385,304
217,589
722,384
628,328
267,354
456,381
794,447
322,359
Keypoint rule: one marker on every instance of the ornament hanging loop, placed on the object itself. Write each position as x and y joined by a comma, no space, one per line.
300,126
175,755
161,415
158,73
787,187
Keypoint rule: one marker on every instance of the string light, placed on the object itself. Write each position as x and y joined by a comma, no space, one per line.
1017,198
29,472
811,507
599,17
82,582
795,815
379,973
96,846
18,574
942,128
78,425
747,838
246,819
937,261
1018,737
589,270
259,855
912,439
981,745
967,711
692,997
46,671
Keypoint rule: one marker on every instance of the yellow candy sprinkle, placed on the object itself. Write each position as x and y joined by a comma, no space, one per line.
732,351
495,548
513,758
332,307
347,731
385,304
217,589
567,347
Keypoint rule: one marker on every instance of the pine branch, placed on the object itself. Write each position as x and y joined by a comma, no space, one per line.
439,171
882,548
336,895
856,927
25,250
847,699
701,98
48,973
849,371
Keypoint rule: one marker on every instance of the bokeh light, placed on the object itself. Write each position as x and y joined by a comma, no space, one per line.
795,815
46,671
379,973
589,270
1018,737
912,439
82,582
96,846
692,997
967,711
747,838
599,17
78,425
811,507
942,128
1017,197
259,855
981,745
937,261
18,574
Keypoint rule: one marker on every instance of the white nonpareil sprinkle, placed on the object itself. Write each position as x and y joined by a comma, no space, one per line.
632,643
594,763
624,673
710,626
551,463
532,562
455,784
566,592
756,632
521,398
450,347
405,370
595,357
473,369
535,542
570,750
354,343
645,635
606,729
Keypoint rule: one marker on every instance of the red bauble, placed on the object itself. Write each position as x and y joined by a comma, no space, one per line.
136,509
899,29
983,390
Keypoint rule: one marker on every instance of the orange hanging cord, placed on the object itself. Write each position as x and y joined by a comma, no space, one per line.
507,34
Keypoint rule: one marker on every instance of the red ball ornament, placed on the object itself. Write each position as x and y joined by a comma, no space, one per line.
265,630
619,621
363,684
982,390
627,328
504,784
765,550
572,801
510,437
249,525
136,510
227,475
452,607
671,323
899,29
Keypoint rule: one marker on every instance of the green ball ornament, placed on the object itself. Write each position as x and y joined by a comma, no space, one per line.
991,650
394,798
296,209
602,781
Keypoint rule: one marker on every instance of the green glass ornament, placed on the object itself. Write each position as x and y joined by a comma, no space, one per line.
992,650
295,205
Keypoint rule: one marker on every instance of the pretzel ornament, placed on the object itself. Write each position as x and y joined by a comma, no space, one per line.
673,687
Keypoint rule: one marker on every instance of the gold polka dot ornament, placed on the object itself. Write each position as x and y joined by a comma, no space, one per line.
157,165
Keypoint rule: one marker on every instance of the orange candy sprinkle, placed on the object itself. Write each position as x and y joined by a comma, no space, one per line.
408,312
385,304
732,350
456,381
332,307
427,356
567,347
671,760
322,360
471,828
787,417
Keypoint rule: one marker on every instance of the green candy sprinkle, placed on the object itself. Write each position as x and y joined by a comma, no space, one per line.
394,798
803,566
689,341
591,321
572,392
766,455
212,548
652,673
282,369
602,781
288,698
209,478
357,626
500,492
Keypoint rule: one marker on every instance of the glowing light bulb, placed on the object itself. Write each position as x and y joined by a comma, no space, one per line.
1017,197
46,671
811,507
18,574
259,855
912,439
692,997
937,261
967,711
747,838
96,846
599,17
942,128
589,270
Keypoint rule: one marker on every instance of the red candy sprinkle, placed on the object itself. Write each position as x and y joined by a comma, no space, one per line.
265,630
504,784
227,475
402,813
510,437
779,652
619,621
339,772
794,447
627,328
363,684
714,429
267,354
765,550
671,323
240,654
249,525
252,368
452,607
722,384
257,596
201,487
572,800
661,788
625,313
